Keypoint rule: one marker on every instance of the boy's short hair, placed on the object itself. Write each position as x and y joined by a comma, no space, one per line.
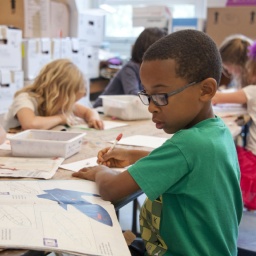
195,54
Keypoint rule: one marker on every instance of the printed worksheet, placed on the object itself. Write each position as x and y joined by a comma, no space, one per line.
41,168
60,216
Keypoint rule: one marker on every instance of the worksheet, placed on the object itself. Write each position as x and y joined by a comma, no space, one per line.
41,168
60,216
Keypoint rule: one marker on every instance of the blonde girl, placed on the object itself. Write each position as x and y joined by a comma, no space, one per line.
234,54
247,154
51,100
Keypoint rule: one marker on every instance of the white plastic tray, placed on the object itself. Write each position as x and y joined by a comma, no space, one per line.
45,143
125,107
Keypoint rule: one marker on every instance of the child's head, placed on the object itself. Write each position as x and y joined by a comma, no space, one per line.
57,87
186,65
234,54
146,38
251,64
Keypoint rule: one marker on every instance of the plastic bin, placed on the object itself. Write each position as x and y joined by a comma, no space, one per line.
125,107
45,143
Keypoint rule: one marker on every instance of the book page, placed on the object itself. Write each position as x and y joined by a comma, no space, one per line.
60,216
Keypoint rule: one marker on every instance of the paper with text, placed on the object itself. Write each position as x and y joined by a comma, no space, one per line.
59,216
41,168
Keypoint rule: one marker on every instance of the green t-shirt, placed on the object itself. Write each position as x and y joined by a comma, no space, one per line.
195,203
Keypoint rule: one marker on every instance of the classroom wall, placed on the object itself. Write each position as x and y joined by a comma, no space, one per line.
216,3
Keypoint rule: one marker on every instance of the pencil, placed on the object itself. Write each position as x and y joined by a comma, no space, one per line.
115,142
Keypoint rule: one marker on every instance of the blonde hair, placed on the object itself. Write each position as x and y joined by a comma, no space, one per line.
234,51
55,87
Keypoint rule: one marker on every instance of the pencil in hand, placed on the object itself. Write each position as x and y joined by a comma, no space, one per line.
115,142
118,138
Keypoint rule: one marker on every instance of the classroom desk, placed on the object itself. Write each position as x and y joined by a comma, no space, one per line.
96,140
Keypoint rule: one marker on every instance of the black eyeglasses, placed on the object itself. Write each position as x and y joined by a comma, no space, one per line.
161,99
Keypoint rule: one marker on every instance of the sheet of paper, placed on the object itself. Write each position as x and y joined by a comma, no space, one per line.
76,166
226,110
59,216
142,140
89,162
107,125
41,168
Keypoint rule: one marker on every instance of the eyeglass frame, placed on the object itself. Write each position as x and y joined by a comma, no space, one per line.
167,95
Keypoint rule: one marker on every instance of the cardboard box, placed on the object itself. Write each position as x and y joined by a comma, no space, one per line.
152,16
45,143
88,25
10,82
10,48
93,61
36,18
225,21
36,54
188,23
240,2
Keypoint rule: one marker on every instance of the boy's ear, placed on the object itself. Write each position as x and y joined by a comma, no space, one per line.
208,89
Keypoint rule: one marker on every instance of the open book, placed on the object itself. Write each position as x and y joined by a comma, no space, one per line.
59,216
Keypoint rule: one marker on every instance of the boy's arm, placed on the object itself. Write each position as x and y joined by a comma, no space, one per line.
112,185
28,120
232,97
91,116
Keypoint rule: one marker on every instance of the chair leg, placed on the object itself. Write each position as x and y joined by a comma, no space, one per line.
134,217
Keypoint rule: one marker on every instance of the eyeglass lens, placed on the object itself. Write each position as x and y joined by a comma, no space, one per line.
158,99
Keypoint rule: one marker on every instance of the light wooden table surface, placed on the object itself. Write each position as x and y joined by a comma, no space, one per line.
95,140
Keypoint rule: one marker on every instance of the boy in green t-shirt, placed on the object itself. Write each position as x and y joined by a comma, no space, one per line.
194,203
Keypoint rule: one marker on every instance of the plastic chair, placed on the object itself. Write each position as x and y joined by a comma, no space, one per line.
132,198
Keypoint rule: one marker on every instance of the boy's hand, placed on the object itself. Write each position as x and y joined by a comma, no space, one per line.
89,173
118,157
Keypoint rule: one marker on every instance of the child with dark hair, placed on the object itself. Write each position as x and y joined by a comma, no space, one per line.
247,154
127,80
194,203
